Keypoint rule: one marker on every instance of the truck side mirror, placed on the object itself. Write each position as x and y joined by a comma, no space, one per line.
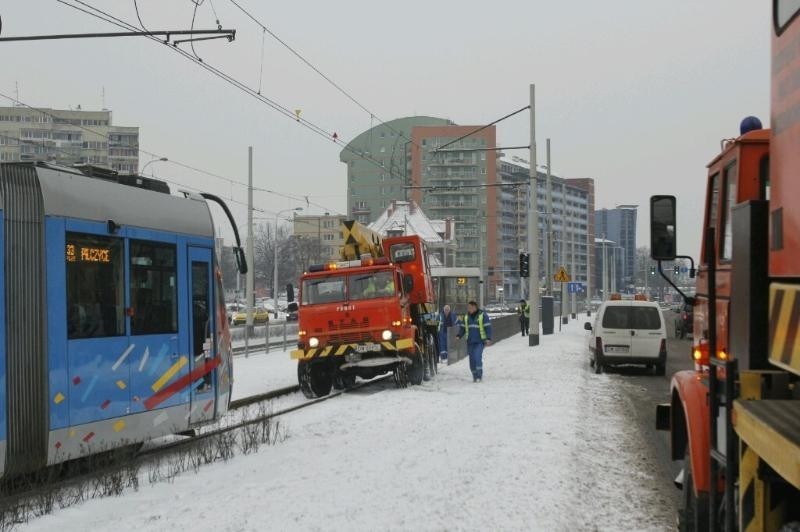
663,240
289,293
408,284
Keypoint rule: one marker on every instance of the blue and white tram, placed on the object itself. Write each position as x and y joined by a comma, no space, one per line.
112,320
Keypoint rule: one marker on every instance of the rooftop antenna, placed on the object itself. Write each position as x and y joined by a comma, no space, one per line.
16,92
103,97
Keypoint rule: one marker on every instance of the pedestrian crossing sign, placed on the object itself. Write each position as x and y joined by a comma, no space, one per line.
562,276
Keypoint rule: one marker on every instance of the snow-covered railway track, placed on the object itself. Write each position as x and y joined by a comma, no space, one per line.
23,496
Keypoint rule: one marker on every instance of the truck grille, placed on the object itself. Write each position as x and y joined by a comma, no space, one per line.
350,338
344,325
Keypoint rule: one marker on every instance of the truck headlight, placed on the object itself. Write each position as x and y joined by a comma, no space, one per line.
387,335
313,341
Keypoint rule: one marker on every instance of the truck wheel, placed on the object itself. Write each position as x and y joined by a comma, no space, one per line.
400,374
694,515
343,381
315,380
417,370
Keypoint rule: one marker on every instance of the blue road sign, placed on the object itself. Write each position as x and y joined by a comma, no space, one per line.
684,269
575,288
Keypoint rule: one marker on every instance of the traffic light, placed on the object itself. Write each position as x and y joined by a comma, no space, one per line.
652,270
676,270
524,259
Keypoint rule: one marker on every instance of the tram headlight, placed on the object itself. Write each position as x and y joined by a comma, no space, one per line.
387,335
313,342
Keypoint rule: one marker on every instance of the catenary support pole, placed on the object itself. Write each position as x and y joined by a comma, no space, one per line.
250,271
533,228
549,235
574,296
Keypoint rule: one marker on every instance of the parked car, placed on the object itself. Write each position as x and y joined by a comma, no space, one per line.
260,315
685,322
231,309
628,332
291,315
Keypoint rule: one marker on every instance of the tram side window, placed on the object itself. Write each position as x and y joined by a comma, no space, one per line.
154,287
95,286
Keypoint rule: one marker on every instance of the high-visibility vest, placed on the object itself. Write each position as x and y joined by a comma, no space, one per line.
481,328
526,310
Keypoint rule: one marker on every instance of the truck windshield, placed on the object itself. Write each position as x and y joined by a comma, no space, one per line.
371,285
323,290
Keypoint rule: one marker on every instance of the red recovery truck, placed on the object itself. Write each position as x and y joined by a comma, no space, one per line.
735,419
370,313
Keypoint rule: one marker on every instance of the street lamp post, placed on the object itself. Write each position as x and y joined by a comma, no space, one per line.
148,163
275,260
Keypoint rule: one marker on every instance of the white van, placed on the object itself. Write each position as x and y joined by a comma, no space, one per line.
628,332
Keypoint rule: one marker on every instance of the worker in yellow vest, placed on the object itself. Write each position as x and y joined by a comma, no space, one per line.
524,313
478,328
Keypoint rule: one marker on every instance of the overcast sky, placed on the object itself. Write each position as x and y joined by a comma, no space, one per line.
636,95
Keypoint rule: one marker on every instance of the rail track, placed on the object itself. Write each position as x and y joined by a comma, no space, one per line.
24,492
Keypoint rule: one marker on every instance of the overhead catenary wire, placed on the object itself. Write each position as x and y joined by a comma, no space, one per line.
170,160
261,62
236,83
318,71
478,130
136,6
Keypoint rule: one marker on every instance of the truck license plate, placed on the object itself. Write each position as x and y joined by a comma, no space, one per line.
366,348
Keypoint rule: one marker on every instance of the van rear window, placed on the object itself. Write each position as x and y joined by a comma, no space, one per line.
645,318
615,318
632,318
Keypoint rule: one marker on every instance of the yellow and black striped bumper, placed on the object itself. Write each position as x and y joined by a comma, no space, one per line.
784,326
342,349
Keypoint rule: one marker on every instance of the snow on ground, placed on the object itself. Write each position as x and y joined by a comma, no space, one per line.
262,372
541,444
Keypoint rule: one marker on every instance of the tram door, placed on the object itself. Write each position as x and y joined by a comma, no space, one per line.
202,340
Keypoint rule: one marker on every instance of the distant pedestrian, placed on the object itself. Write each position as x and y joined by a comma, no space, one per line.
478,328
524,313
446,319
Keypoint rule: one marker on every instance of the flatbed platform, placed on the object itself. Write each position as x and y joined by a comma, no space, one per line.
771,428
